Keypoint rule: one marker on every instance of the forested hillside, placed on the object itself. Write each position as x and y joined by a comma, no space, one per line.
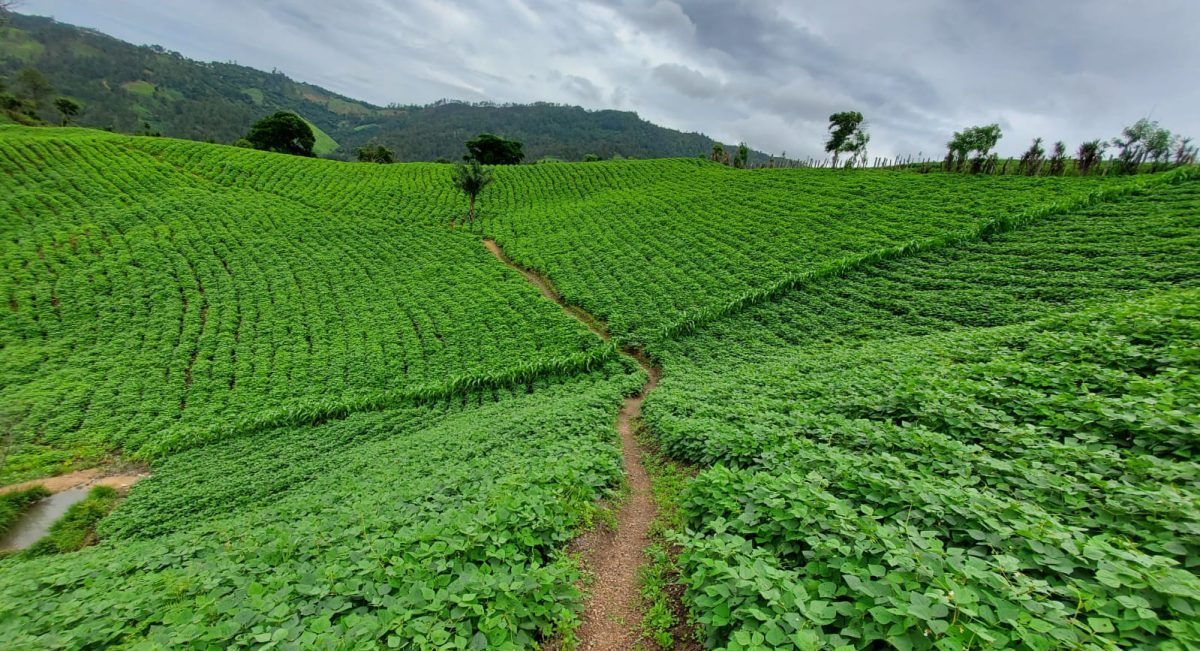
138,89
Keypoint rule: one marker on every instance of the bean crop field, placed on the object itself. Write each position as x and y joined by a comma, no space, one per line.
915,411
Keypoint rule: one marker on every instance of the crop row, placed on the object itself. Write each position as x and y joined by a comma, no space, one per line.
644,245
672,238
152,303
889,467
428,527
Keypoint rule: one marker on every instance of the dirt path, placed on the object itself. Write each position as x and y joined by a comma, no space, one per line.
612,618
119,480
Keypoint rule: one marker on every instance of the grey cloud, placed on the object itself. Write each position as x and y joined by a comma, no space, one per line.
766,72
687,81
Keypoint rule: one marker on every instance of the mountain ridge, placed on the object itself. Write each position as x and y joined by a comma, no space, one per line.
148,89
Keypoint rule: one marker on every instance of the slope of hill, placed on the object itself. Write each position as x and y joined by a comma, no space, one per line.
925,410
952,447
132,89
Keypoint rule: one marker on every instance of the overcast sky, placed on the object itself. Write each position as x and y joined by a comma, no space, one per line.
766,72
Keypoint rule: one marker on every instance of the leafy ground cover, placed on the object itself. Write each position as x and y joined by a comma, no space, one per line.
644,244
986,446
146,304
933,410
435,527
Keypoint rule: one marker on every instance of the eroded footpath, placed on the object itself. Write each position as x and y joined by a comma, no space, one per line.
612,616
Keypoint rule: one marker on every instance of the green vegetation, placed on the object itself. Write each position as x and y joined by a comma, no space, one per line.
190,292
324,144
76,529
68,108
925,410
491,149
660,576
936,450
847,135
255,95
648,245
284,133
375,154
373,529
140,87
471,178
14,503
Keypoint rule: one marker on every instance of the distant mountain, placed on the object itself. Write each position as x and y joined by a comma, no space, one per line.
134,89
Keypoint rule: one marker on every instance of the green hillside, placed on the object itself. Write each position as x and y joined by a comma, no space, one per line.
921,411
131,89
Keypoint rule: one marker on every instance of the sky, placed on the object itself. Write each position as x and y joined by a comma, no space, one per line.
766,72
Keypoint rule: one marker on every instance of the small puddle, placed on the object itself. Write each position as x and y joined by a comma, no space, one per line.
35,522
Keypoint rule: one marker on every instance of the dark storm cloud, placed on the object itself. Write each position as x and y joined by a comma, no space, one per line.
765,72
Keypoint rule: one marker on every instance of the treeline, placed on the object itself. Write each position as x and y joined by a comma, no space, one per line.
1143,146
30,96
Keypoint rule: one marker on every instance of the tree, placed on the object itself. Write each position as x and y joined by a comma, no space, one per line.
283,132
718,153
375,153
978,139
847,134
68,107
1058,159
1089,155
742,157
471,178
490,149
1185,152
1139,141
35,85
1031,160
590,158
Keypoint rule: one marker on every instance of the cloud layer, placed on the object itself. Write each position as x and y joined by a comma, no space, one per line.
764,72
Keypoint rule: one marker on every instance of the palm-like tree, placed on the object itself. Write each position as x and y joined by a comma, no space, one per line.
471,177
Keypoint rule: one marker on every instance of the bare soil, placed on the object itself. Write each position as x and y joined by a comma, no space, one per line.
613,614
119,477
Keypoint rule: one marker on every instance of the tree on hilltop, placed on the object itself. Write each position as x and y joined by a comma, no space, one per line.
978,140
68,108
1089,156
490,149
1058,159
847,134
1139,142
718,154
1031,160
471,178
742,158
375,153
283,132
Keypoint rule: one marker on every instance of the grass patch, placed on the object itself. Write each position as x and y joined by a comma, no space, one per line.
325,144
76,529
13,504
141,88
664,620
16,44
254,94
